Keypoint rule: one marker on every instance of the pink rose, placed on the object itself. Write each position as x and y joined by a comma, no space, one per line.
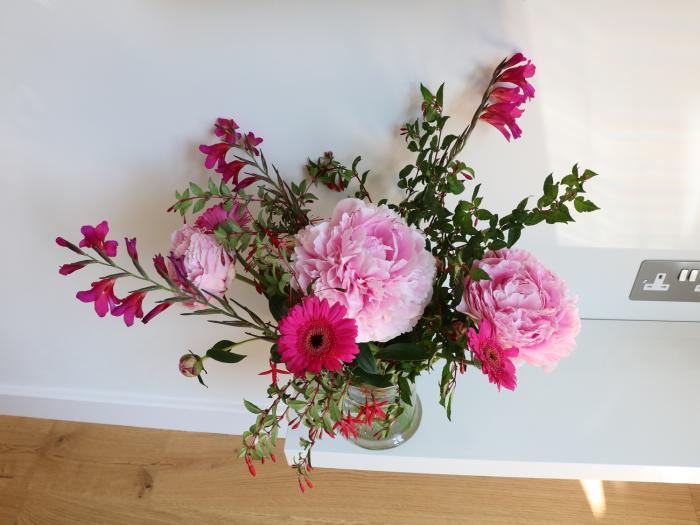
366,258
197,256
528,305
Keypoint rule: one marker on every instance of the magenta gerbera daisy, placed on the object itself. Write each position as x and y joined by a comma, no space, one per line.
316,335
496,361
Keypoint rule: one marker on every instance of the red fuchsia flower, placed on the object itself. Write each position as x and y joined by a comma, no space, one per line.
496,361
94,237
155,311
130,308
230,170
369,411
102,294
273,372
511,89
69,268
316,335
347,426
210,219
131,248
250,143
225,128
216,154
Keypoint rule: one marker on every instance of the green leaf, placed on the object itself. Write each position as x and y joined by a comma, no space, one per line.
198,205
278,306
483,215
196,190
212,188
362,377
251,407
405,390
478,274
224,357
582,205
427,95
403,352
366,360
296,404
438,95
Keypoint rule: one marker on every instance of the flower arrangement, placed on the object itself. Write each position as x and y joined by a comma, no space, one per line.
370,297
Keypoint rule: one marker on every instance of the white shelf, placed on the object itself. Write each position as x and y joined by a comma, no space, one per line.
623,406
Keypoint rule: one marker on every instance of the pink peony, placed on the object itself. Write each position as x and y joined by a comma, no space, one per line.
496,361
528,305
368,259
315,335
197,257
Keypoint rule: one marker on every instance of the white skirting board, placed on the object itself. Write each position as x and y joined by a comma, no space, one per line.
124,409
622,407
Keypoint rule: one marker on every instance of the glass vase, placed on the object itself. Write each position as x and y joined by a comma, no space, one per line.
402,427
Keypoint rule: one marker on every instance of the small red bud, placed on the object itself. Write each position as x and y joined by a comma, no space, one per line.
251,469
262,461
301,487
308,468
273,458
308,482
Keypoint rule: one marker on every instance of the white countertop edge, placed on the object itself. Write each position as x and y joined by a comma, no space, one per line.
508,469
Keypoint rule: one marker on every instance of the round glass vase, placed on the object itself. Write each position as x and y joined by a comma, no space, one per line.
402,428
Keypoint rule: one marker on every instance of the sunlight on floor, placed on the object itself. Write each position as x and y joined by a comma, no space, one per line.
593,488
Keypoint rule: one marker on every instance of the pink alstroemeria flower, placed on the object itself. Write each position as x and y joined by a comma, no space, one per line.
130,308
496,361
102,294
502,116
94,237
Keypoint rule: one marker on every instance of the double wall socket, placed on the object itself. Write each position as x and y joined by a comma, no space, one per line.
667,281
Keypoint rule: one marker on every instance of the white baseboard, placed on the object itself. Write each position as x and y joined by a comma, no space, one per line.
124,409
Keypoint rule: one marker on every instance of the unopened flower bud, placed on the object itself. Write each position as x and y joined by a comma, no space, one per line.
191,365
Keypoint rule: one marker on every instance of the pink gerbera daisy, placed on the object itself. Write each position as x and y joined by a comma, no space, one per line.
316,335
496,361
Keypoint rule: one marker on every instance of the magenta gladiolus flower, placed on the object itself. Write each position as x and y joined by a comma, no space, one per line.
502,116
496,361
231,170
250,143
210,219
65,244
155,311
102,294
225,128
161,268
131,248
216,154
68,269
316,335
130,307
527,304
368,259
506,99
94,237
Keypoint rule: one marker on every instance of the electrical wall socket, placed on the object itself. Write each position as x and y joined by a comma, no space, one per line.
677,281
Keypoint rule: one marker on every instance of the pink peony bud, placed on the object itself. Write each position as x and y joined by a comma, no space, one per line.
191,365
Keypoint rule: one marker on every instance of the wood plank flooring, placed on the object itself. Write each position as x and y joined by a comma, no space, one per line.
57,472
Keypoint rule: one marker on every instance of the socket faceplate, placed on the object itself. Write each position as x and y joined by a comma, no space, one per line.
677,281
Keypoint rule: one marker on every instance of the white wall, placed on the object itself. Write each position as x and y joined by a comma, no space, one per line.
102,106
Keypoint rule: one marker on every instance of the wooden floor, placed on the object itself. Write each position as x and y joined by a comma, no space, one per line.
57,472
